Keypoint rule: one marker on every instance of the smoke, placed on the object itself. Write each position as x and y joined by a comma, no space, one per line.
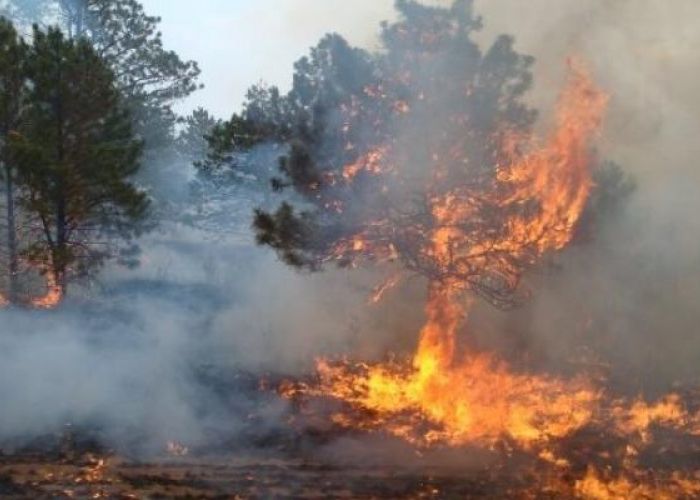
643,54
174,349
631,295
126,379
128,357
626,299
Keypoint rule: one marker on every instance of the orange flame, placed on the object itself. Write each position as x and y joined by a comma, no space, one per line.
53,296
383,288
559,174
476,398
595,485
444,396
371,163
50,300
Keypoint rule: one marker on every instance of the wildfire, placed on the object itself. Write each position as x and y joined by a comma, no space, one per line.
444,396
176,449
558,175
371,163
595,485
383,288
474,397
53,296
93,473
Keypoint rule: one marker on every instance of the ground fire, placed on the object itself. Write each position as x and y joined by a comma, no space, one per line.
443,396
50,299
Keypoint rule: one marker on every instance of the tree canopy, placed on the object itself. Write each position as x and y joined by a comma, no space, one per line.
373,139
73,153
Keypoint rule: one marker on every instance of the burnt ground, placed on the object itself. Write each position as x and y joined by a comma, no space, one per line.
347,467
305,456
327,462
39,477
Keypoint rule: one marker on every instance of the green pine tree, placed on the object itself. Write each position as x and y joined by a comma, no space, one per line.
150,77
77,153
12,92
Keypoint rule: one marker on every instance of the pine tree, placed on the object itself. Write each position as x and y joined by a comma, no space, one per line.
150,77
12,91
348,103
192,142
126,37
371,140
77,153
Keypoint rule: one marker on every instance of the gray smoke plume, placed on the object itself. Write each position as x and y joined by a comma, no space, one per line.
147,352
630,296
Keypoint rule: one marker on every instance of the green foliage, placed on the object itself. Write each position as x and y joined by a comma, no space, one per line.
150,77
285,231
612,189
226,140
126,38
192,142
346,102
76,152
12,83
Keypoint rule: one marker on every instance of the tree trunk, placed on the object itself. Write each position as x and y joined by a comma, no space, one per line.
75,11
58,256
59,259
13,261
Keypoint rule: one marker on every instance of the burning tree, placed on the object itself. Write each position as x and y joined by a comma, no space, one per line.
425,155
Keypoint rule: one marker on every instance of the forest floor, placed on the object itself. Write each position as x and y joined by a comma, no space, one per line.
90,476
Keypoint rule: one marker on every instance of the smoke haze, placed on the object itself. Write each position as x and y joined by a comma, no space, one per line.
639,281
133,361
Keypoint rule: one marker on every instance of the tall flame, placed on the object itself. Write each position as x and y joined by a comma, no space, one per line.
444,395
558,175
474,397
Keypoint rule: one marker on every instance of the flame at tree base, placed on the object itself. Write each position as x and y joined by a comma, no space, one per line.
474,399
442,397
51,298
